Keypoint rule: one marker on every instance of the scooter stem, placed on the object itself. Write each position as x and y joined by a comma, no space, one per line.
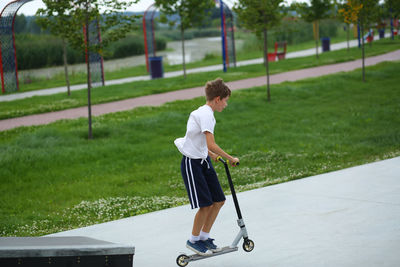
235,201
242,233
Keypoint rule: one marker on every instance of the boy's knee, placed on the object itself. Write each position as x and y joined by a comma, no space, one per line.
206,208
219,204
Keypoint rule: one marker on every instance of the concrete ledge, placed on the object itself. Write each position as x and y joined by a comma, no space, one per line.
22,247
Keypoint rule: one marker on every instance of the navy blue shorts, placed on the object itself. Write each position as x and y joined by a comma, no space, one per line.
201,182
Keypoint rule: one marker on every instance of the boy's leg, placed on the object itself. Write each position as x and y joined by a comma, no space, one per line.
205,218
205,191
212,215
204,234
194,242
200,219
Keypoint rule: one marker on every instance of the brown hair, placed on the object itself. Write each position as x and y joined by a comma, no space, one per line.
217,88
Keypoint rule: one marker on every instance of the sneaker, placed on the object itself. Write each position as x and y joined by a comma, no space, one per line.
211,246
199,248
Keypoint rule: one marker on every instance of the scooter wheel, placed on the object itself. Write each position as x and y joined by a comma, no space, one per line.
248,245
181,260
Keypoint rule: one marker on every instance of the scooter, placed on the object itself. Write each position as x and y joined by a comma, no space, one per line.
248,245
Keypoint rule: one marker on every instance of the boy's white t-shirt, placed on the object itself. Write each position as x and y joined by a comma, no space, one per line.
194,144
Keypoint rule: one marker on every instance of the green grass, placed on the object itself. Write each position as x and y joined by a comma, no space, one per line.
53,179
42,104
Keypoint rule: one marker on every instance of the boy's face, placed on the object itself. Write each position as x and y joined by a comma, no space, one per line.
221,103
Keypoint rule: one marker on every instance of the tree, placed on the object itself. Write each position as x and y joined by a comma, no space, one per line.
259,16
340,5
191,13
362,12
73,15
54,18
318,10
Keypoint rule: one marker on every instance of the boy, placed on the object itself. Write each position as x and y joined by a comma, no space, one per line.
201,181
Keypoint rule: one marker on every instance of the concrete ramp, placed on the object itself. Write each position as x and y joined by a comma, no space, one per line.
344,218
63,251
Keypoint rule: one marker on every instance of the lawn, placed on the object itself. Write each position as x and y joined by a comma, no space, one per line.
53,178
42,104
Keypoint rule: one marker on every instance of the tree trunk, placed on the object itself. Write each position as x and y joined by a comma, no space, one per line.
183,51
66,67
90,135
265,55
267,65
316,36
348,37
363,51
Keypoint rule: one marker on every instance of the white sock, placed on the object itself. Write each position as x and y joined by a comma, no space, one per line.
193,239
204,235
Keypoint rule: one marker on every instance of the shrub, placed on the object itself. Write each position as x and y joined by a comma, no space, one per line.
38,51
131,46
128,47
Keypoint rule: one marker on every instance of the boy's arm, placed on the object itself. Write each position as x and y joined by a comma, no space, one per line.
215,149
212,155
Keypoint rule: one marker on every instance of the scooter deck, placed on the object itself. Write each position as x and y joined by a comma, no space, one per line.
224,250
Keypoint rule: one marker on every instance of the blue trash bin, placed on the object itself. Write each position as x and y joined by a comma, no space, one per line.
156,67
326,44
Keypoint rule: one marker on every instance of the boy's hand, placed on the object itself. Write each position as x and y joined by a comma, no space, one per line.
234,162
213,156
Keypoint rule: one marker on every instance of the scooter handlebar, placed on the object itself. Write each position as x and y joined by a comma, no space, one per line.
219,158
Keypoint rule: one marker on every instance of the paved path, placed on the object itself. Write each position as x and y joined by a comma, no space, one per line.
159,99
344,218
50,91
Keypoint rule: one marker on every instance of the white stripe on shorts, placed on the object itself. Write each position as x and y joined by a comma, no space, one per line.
190,178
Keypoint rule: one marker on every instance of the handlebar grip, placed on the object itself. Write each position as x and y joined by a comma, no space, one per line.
219,158
235,164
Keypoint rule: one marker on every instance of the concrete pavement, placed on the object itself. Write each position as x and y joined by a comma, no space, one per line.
345,218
